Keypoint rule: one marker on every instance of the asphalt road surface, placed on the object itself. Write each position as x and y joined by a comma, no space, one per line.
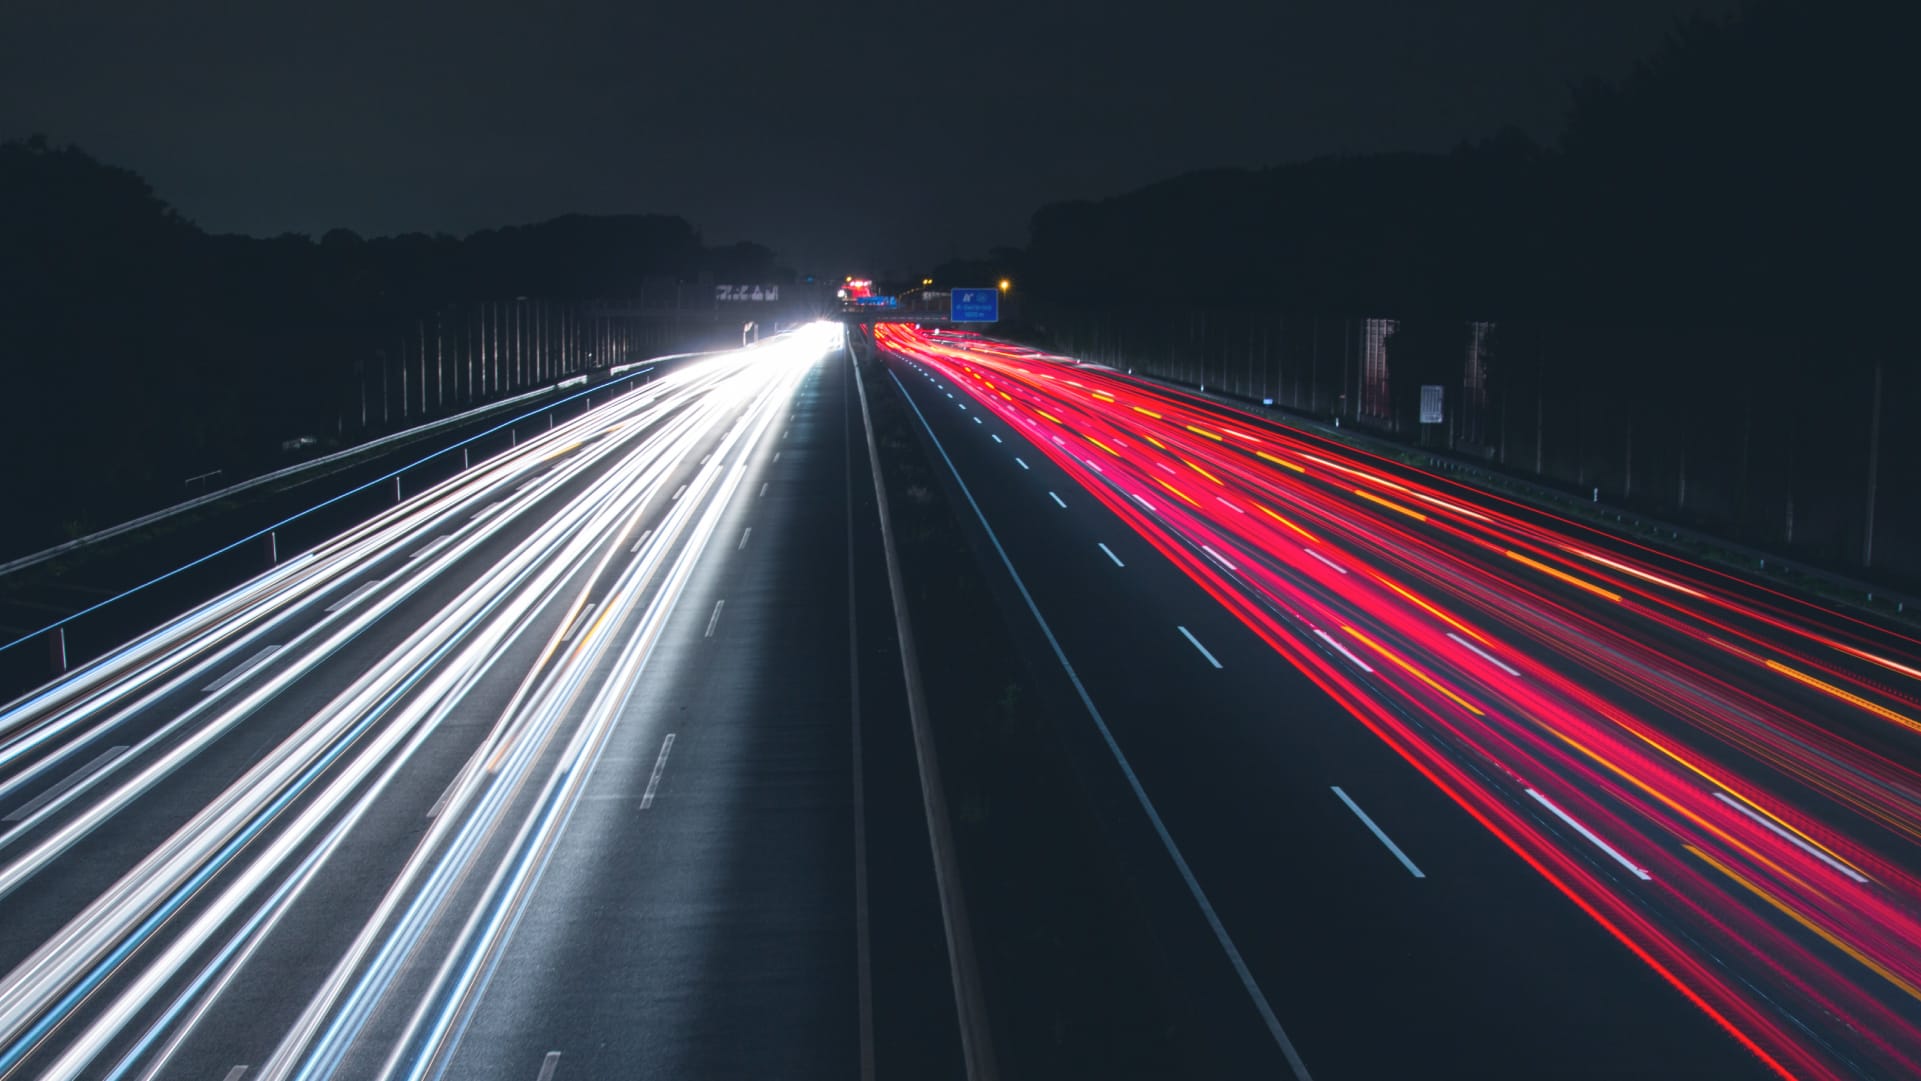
1447,786
547,772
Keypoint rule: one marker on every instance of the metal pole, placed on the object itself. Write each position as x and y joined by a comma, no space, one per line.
57,650
1874,461
273,549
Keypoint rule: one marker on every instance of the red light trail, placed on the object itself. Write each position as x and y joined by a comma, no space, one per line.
1718,774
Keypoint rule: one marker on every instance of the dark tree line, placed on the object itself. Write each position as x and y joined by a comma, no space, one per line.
1693,302
139,350
1753,167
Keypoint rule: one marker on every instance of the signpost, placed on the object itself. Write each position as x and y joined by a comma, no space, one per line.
877,302
975,306
746,292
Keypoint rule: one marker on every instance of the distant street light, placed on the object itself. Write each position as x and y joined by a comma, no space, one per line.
1006,285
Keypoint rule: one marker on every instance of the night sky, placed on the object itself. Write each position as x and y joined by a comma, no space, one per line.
867,136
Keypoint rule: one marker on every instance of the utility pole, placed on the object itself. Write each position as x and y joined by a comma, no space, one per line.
1874,461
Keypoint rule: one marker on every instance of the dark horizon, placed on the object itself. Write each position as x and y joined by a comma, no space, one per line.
409,127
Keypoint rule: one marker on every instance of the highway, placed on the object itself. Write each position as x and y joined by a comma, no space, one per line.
1431,783
546,772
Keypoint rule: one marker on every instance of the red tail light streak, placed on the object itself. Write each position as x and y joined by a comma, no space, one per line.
1721,776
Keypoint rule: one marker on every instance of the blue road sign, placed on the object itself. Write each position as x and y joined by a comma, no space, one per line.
976,306
877,302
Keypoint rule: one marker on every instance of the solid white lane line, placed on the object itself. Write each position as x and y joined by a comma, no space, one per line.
1057,500
645,533
1329,639
996,438
259,659
547,1066
1379,833
1485,655
680,491
653,782
1589,834
1189,635
1791,838
743,538
1111,555
1020,463
713,619
1235,958
343,602
580,623
1219,558
1325,560
438,542
98,763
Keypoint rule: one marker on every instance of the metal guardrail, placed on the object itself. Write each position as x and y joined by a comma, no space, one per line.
57,626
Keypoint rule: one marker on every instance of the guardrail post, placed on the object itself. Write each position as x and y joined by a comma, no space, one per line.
57,650
464,462
396,488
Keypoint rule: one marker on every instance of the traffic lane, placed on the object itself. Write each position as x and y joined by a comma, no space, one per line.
382,836
104,855
698,917
1714,603
1750,723
364,577
337,574
1722,897
1339,932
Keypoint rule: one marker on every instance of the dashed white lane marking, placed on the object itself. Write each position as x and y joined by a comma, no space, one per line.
660,764
1484,654
1325,560
99,762
1379,833
1329,639
343,602
1612,852
256,661
1792,839
1111,555
1189,635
